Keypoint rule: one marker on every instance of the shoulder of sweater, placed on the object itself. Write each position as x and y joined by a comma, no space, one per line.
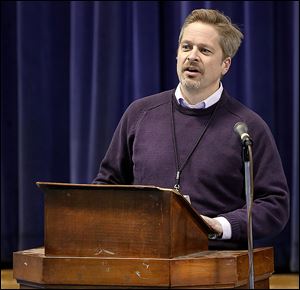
150,102
240,110
241,113
139,107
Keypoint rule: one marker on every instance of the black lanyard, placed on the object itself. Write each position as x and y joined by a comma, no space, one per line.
179,168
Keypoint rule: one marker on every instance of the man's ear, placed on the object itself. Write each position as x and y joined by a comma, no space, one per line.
226,65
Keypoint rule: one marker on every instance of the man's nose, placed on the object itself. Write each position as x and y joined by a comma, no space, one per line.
193,56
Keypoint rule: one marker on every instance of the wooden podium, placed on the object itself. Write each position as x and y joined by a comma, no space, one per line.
113,236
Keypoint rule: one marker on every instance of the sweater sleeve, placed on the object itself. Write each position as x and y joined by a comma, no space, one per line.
116,166
270,211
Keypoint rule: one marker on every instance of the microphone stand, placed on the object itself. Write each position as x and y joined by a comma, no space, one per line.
248,169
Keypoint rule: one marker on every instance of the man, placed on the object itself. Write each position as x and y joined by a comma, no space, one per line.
184,138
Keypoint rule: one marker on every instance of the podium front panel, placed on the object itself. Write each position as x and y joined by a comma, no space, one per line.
107,223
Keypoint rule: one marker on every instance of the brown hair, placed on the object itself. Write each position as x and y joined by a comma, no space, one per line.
230,35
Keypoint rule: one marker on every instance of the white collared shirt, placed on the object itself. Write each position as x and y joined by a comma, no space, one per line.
211,100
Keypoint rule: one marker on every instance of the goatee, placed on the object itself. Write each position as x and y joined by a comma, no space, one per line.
190,84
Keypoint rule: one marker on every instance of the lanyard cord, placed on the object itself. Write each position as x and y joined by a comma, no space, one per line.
179,169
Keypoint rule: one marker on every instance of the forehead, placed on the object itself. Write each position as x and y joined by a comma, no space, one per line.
198,32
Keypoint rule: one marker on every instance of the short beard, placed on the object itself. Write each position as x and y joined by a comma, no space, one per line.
190,84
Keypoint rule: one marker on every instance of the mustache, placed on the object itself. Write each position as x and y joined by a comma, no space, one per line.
192,66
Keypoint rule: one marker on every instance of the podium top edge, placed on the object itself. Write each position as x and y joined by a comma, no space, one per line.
42,184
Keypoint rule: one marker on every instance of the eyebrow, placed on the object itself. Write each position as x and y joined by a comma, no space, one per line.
198,45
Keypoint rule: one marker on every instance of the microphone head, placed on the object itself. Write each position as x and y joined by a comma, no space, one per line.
242,131
240,128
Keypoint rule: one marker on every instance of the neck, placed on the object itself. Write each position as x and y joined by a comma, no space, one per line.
194,96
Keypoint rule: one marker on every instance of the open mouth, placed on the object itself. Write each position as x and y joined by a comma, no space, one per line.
192,71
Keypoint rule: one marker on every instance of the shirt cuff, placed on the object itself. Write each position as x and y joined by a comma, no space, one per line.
226,226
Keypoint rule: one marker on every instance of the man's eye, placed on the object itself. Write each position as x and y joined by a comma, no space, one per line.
205,51
185,47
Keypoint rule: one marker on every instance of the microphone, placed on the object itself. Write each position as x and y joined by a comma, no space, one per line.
242,130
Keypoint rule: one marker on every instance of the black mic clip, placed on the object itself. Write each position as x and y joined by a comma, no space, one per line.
247,141
245,150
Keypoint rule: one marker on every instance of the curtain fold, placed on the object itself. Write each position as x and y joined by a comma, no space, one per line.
294,261
69,69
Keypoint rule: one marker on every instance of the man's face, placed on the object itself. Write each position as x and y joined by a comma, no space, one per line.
200,63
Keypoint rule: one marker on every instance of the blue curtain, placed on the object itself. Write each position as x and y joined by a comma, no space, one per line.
70,69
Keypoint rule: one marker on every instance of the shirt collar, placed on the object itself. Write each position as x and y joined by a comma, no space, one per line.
211,100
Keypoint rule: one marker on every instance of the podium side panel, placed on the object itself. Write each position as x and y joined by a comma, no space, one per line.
188,234
219,268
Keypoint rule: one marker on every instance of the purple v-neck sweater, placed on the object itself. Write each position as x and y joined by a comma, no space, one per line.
142,152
